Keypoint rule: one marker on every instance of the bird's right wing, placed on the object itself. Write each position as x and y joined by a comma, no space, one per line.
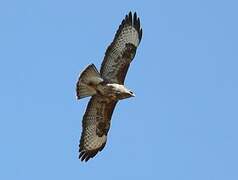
96,124
122,50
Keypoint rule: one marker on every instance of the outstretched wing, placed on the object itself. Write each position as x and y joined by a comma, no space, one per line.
122,50
96,123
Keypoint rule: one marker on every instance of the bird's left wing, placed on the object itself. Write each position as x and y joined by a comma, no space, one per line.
122,50
96,123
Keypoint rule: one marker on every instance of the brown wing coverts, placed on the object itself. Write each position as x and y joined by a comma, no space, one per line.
96,124
122,50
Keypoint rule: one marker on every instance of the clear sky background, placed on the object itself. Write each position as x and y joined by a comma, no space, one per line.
183,123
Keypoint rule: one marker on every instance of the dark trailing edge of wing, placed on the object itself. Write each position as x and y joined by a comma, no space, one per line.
86,155
128,20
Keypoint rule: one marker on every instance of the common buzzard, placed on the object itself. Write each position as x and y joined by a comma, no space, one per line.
107,86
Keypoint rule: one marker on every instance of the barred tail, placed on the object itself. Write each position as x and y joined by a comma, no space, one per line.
86,85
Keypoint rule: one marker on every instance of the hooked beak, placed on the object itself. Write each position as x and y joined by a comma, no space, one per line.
132,94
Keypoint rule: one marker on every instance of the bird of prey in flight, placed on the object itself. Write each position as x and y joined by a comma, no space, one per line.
106,87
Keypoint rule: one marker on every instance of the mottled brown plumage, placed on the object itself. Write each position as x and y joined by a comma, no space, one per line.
107,87
122,50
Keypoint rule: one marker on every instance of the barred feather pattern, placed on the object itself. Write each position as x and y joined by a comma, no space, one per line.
96,124
122,50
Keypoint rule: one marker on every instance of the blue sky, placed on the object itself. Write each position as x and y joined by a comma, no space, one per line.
183,122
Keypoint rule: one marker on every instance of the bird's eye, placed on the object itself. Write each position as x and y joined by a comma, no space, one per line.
131,92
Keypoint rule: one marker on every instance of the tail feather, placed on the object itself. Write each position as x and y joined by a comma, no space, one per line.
87,82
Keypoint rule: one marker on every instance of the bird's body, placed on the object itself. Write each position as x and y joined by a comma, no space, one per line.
96,85
107,86
114,91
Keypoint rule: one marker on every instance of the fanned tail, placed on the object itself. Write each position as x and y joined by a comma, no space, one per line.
87,82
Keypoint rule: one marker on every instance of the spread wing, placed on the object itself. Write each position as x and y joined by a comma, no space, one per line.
96,123
122,50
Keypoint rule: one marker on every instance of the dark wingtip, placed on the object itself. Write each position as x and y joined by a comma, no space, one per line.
81,154
86,155
136,24
130,19
130,16
140,34
135,17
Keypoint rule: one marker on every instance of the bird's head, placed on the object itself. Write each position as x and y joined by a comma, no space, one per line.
125,93
131,94
121,92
